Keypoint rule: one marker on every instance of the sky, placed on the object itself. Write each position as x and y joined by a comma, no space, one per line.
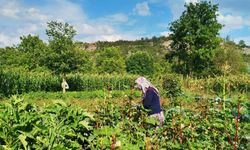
111,20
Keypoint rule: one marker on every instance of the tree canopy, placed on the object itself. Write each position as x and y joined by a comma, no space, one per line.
195,39
62,56
140,63
109,60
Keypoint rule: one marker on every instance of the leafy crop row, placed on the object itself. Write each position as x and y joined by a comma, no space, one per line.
240,83
209,128
60,126
23,126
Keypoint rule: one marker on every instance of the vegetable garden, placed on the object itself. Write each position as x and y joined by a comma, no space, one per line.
101,110
194,121
110,126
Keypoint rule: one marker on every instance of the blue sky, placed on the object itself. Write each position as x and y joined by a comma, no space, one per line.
110,20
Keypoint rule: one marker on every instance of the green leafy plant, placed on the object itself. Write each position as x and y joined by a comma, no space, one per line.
172,87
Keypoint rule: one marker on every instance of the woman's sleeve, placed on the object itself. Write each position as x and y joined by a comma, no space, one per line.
147,101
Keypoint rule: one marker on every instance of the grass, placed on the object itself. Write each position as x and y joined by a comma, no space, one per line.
77,95
92,100
87,99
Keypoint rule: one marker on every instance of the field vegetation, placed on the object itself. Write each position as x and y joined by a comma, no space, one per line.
203,79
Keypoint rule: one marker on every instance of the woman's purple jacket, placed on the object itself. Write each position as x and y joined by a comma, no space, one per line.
151,101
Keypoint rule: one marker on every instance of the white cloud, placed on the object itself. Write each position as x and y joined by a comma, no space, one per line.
113,37
33,13
64,10
142,9
131,22
15,11
247,22
176,7
113,19
28,29
165,33
6,40
245,38
163,25
95,29
22,19
239,7
98,31
120,17
231,22
191,1
9,9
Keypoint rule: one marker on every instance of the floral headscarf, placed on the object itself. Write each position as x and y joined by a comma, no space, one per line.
143,84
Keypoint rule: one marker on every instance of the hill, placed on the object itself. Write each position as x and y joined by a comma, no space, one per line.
157,46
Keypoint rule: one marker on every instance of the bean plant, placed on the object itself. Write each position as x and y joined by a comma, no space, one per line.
126,126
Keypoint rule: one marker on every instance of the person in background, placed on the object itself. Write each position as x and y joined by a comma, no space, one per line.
150,98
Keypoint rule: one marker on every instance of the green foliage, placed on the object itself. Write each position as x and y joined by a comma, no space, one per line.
162,68
31,44
9,59
14,82
60,126
33,49
83,62
246,58
79,82
195,38
242,44
234,83
110,60
153,46
140,63
62,57
230,55
172,85
82,95
182,129
127,126
60,32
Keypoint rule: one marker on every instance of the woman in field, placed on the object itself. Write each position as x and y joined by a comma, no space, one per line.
150,98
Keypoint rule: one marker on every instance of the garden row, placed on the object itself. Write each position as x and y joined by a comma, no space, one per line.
239,83
24,82
18,83
61,126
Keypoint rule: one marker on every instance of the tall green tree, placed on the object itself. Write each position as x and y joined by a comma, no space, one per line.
140,63
31,44
34,50
9,59
195,39
242,43
110,60
62,57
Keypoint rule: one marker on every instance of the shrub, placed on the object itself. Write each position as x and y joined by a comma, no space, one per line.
110,60
140,63
172,86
